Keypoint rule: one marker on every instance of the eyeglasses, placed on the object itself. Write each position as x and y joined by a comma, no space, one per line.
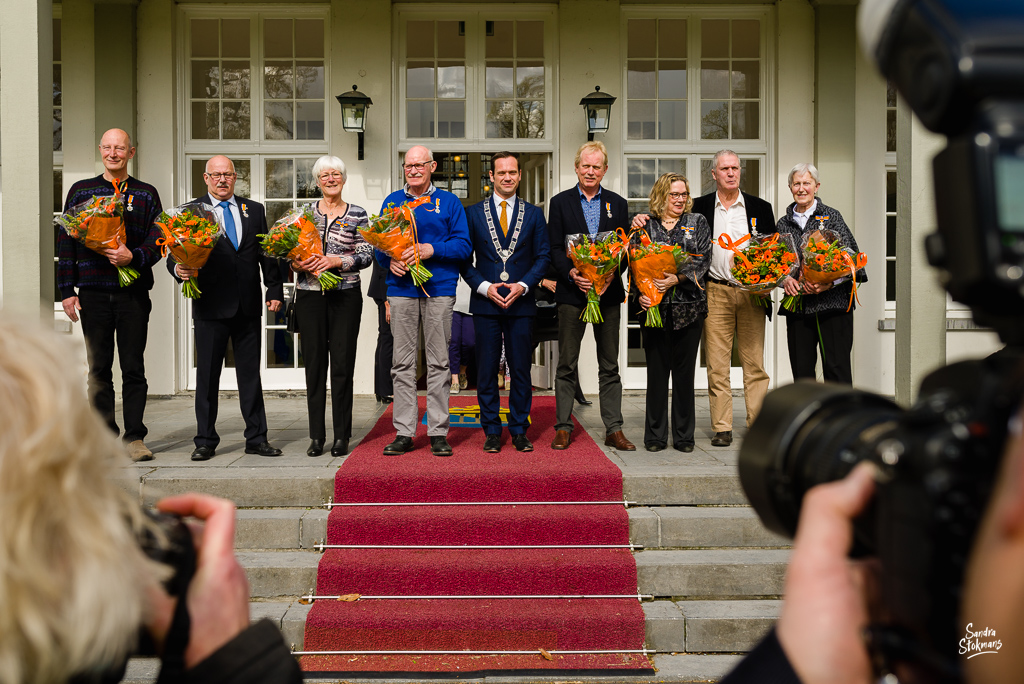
419,166
220,176
329,174
105,149
678,195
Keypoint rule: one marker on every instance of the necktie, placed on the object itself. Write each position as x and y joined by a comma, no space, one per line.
504,218
229,224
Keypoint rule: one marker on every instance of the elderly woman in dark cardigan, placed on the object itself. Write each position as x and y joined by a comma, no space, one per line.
329,321
824,318
672,349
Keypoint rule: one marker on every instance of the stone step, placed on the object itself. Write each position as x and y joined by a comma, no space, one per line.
693,574
661,527
669,485
708,626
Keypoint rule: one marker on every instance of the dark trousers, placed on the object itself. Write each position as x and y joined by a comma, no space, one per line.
671,353
330,327
211,345
835,343
382,385
570,335
517,333
120,317
460,349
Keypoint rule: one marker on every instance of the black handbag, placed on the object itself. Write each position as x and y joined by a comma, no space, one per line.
291,320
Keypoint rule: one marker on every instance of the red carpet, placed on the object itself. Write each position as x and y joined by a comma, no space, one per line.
581,473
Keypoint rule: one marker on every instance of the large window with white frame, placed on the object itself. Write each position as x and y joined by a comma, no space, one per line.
478,76
254,82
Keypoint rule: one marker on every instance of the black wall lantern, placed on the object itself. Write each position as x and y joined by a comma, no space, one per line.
353,113
598,108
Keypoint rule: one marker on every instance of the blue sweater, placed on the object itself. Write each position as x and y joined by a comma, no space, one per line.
442,225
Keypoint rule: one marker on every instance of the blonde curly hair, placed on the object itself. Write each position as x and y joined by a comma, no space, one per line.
73,579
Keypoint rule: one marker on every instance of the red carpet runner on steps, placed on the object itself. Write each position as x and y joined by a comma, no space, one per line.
581,473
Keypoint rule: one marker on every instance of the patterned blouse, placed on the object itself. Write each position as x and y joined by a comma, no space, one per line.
341,238
686,302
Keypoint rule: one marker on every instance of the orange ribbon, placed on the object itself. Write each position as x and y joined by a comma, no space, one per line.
854,266
406,210
725,242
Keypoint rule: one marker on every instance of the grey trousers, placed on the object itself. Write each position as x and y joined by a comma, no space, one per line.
570,335
435,315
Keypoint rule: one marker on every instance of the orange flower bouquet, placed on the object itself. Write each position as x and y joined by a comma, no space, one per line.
98,224
826,259
760,266
394,231
295,237
650,261
597,259
190,233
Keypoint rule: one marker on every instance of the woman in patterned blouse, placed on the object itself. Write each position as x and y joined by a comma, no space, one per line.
672,349
329,320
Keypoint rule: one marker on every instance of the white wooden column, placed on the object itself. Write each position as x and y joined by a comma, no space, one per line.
920,299
26,156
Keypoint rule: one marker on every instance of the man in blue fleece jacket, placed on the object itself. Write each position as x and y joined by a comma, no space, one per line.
443,246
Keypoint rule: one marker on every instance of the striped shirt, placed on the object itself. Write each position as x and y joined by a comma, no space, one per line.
341,238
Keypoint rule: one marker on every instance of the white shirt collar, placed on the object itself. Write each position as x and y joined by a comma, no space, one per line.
810,209
216,202
738,202
496,202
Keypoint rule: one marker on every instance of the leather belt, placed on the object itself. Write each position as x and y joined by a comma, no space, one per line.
718,281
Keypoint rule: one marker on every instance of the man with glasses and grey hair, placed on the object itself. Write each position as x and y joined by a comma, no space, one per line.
443,247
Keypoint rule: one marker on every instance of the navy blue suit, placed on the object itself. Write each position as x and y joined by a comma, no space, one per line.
492,324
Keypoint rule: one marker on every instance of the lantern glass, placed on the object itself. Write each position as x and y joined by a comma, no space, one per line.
597,118
352,116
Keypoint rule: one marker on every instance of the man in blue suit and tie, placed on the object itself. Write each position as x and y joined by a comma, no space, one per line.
510,248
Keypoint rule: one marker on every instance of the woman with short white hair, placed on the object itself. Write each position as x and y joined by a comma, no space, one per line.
329,320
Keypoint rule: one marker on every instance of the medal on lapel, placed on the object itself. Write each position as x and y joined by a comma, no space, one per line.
753,225
244,212
130,198
608,208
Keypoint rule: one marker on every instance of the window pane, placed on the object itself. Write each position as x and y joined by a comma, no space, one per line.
530,39
419,119
419,79
243,184
57,86
640,123
746,38
449,43
277,38
276,210
672,79
235,38
890,236
745,120
58,130
498,79
235,77
890,281
205,118
56,40
640,176
530,119
530,80
500,43
746,79
714,80
279,178
641,38
672,166
672,38
714,38
672,119
890,191
309,120
198,186
451,119
640,80
890,94
305,184
205,79
419,39
714,120
205,42
750,176
890,130
309,38
309,80
278,121
58,190
278,80
451,80
237,121
499,119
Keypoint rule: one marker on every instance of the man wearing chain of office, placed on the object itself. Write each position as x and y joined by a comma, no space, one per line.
510,256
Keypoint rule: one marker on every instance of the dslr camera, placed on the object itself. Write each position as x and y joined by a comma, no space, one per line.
960,67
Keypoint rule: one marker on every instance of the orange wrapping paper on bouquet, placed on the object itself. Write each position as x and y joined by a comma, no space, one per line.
295,237
651,261
190,233
394,231
98,224
826,260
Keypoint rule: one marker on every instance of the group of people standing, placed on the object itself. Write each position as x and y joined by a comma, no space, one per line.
505,251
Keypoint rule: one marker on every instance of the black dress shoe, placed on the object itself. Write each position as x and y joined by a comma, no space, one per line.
685,448
522,443
439,446
654,446
263,449
203,453
401,445
722,438
582,400
316,447
340,447
492,444
387,399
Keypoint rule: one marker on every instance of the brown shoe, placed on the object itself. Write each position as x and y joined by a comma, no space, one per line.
562,439
139,452
619,442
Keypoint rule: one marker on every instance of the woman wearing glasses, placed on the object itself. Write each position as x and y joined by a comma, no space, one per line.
329,320
671,350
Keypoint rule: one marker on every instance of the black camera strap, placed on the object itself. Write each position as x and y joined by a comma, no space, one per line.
172,662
